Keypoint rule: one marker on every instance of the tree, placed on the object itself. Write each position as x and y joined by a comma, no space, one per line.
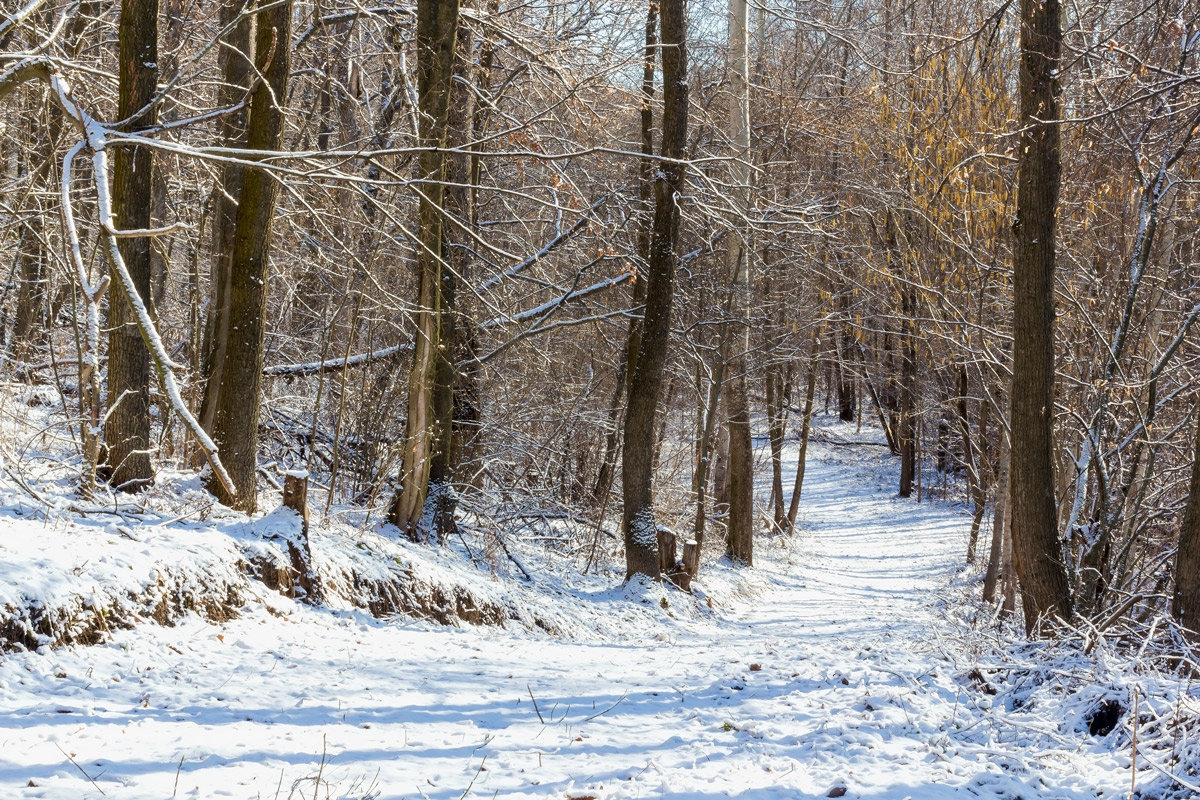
637,463
235,57
437,24
740,542
1185,604
239,371
1044,590
127,425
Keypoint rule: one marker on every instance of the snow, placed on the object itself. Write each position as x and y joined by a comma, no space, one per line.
843,660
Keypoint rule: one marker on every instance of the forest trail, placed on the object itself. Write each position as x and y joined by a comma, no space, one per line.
834,674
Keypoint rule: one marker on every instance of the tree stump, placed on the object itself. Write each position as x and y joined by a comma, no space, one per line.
295,497
666,550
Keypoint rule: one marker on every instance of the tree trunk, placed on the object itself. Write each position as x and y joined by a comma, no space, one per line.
974,465
776,422
235,56
239,373
996,558
740,540
637,463
127,426
1185,604
456,253
437,24
704,451
805,428
1044,588
645,224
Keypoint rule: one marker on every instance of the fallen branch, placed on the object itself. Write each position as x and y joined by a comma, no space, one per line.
333,364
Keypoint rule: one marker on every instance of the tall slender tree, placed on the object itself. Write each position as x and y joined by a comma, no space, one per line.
437,24
236,414
645,381
1044,589
456,254
740,542
127,463
236,59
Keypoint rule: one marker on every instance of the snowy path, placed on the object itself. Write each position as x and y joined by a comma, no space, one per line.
831,677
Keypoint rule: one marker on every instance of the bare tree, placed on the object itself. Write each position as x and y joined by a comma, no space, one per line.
1044,590
639,525
437,24
127,425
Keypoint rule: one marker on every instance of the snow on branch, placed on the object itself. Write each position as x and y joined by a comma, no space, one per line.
16,18
95,138
563,236
333,364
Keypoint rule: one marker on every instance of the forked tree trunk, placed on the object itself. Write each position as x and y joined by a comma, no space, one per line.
639,527
1044,589
704,454
127,427
239,374
437,24
456,250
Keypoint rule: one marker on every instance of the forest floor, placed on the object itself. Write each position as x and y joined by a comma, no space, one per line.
846,663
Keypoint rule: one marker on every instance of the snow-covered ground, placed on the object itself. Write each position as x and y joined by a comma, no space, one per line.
838,664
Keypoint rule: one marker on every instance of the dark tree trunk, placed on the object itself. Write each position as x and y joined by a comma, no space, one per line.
641,543
994,577
456,250
1045,593
776,420
1185,604
235,55
805,427
645,196
437,25
127,427
973,464
235,421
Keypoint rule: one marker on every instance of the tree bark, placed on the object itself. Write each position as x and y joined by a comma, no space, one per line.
127,428
641,544
973,464
1045,593
235,56
1185,604
805,428
437,25
239,372
644,231
740,539
456,255
776,422
995,567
